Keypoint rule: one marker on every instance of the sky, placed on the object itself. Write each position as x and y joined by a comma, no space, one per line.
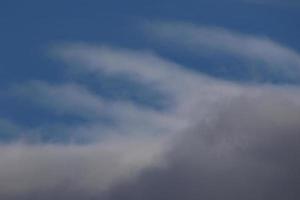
140,99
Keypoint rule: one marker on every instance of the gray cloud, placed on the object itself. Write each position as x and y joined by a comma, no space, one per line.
249,151
47,171
218,140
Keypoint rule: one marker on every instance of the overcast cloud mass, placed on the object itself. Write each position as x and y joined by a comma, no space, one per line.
177,133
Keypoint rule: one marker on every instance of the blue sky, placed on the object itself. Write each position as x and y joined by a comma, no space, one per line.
30,28
27,28
98,93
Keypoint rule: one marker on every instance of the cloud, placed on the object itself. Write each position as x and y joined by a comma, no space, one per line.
101,117
247,147
249,151
216,139
143,66
64,99
205,39
40,170
176,81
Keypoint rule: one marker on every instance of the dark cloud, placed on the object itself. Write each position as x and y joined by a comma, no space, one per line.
249,151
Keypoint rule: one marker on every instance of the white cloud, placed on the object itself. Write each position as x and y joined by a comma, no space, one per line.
76,100
174,80
203,39
65,99
141,65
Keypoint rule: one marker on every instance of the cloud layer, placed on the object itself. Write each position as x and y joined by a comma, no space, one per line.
215,139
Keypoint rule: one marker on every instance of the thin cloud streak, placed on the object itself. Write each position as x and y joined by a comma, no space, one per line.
205,39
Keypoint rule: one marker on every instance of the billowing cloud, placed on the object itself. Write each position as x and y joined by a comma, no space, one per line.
250,150
247,147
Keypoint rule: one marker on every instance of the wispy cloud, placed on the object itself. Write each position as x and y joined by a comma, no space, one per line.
65,99
76,100
216,40
143,66
175,80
